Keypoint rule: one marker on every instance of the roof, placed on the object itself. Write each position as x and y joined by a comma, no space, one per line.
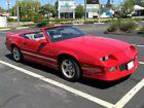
137,7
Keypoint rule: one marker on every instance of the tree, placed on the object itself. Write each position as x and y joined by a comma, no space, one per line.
28,9
142,3
47,9
79,11
2,10
127,8
13,11
56,7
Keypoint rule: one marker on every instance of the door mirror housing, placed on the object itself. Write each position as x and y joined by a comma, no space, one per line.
43,41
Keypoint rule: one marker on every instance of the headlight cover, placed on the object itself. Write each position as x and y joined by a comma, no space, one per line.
112,69
104,59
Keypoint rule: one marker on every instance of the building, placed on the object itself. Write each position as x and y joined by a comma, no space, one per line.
92,8
66,9
138,10
107,9
3,21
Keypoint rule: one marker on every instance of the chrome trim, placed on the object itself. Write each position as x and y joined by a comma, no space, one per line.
39,56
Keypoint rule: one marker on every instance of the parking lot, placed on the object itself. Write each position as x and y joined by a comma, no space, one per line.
29,85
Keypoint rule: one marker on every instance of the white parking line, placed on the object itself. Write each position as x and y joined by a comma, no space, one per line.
142,45
142,63
125,99
61,85
120,104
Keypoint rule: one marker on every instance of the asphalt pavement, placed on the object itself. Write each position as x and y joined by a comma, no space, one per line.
30,85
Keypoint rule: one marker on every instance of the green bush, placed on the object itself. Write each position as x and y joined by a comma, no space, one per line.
114,26
25,20
124,25
36,18
141,30
62,21
91,21
128,26
43,23
112,29
11,20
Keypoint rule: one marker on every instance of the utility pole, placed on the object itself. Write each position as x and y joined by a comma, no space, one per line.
0,11
18,15
99,17
8,4
85,13
17,11
57,8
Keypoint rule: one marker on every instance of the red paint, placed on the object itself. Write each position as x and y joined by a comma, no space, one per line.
87,50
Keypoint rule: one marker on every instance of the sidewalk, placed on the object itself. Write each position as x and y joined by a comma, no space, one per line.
17,28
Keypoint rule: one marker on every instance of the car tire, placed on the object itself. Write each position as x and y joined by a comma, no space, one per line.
16,54
70,69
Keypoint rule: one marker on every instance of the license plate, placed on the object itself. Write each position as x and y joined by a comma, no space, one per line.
130,65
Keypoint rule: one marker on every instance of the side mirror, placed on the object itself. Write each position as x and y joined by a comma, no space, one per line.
43,41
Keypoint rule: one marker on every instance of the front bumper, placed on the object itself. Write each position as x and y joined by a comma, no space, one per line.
111,76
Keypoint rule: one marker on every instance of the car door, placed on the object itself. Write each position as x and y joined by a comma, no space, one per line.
47,51
29,44
37,48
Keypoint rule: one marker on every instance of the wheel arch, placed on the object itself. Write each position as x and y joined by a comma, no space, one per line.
61,56
66,55
13,45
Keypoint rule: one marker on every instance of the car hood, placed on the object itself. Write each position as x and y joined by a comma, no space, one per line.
94,45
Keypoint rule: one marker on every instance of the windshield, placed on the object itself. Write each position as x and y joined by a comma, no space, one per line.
62,33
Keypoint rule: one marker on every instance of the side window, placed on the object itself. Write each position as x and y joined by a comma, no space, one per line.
34,36
39,36
29,36
55,34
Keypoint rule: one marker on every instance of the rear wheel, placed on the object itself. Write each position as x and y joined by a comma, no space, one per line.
16,54
70,69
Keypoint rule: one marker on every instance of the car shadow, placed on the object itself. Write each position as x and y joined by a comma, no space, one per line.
101,84
86,81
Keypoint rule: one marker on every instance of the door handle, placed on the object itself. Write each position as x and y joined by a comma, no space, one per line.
42,45
24,43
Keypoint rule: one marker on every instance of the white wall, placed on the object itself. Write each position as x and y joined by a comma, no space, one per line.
66,6
92,10
92,14
3,21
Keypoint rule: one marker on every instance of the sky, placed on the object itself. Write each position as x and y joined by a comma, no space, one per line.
3,3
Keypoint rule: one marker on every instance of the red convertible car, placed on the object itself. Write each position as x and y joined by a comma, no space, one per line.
75,53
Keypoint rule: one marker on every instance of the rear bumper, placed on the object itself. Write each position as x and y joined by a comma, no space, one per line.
111,76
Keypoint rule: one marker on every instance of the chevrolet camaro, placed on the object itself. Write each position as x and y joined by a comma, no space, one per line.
75,53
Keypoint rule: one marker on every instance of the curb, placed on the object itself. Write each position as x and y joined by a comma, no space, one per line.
99,23
18,28
5,29
78,24
89,23
121,33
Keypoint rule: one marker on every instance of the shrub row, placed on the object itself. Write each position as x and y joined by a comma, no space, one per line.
124,25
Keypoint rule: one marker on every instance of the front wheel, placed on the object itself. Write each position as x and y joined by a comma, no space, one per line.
16,54
70,69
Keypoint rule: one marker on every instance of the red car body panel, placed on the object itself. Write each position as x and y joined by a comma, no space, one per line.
87,50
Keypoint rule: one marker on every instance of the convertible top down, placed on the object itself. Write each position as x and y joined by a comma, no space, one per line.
74,53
